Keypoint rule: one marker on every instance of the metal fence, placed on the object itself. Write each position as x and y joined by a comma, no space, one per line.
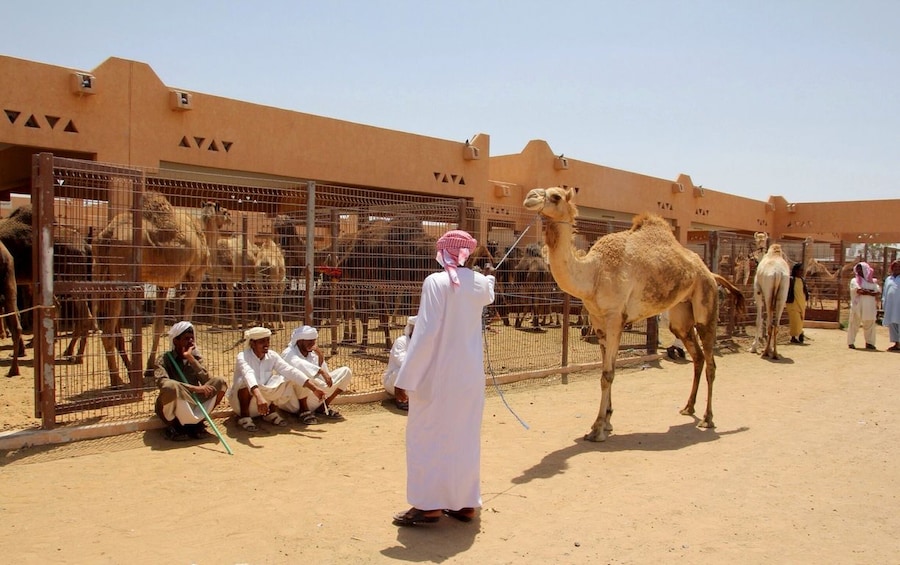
132,251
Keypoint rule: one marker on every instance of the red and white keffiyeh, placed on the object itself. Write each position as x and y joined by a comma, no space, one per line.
453,248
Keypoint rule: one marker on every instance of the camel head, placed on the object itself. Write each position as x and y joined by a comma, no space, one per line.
552,203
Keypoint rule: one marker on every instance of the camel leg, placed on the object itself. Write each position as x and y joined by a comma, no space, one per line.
704,354
158,327
610,346
229,304
110,337
15,330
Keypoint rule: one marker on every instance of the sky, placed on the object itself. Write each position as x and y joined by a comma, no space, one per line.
793,98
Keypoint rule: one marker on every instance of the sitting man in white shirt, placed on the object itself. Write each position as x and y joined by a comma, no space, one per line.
263,376
305,355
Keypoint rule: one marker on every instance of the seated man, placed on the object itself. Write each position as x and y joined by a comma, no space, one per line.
182,379
263,381
395,361
305,355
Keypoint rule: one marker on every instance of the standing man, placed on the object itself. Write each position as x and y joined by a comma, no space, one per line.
863,290
263,381
890,301
176,405
798,296
443,376
304,354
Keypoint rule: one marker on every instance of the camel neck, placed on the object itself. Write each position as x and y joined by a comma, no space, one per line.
564,265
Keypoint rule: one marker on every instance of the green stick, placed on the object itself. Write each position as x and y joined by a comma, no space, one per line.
200,405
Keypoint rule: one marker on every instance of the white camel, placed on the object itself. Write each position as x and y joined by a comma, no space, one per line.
770,289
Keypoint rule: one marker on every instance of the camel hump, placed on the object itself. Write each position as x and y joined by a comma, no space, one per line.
647,220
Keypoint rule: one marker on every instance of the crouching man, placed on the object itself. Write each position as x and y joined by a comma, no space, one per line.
263,382
304,354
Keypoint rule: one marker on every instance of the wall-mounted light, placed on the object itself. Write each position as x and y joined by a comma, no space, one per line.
699,192
181,100
770,206
791,208
502,191
677,188
561,163
83,83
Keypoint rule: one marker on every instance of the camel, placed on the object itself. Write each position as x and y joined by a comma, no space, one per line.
818,278
232,263
533,284
629,276
770,289
71,262
173,252
10,308
270,283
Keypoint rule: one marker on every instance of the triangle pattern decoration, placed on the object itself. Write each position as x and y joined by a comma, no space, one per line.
12,115
52,120
32,122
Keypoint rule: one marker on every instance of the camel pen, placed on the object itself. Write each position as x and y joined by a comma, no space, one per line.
200,405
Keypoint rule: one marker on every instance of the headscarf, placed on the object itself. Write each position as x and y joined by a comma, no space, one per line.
257,333
867,273
179,328
410,323
304,332
453,248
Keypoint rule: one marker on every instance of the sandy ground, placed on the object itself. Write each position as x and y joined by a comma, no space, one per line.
801,468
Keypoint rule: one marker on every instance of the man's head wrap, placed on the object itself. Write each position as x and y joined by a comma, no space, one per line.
258,333
410,322
867,273
453,248
304,332
179,328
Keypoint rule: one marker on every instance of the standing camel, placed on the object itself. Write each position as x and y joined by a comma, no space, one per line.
10,309
230,264
533,286
270,282
629,276
173,252
770,289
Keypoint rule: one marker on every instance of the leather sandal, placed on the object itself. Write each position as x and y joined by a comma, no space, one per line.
414,517
276,419
248,424
463,514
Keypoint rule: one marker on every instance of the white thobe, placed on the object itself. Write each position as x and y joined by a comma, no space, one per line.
279,382
890,301
862,312
443,375
309,364
395,361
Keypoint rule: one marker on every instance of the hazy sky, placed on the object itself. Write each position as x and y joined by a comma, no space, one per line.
791,98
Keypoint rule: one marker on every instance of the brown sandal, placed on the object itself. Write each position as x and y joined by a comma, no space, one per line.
414,517
463,514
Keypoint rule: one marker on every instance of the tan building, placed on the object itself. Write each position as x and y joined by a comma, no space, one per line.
121,113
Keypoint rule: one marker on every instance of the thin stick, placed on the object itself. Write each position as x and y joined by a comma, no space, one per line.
200,405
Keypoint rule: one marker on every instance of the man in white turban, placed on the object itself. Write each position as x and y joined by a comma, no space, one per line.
183,379
263,376
304,354
443,375
395,361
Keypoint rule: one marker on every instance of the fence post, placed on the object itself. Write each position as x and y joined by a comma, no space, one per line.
310,252
43,326
564,361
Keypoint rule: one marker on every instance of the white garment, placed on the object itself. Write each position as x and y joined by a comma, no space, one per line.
862,312
340,377
444,376
278,381
395,361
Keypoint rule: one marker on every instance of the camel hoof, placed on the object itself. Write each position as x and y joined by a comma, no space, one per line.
706,424
687,411
596,436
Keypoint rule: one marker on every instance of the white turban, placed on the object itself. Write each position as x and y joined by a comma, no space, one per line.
257,333
411,320
304,332
180,328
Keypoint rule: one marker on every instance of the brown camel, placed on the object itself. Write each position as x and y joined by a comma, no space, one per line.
770,289
10,310
629,276
270,283
71,262
173,252
818,278
533,287
232,263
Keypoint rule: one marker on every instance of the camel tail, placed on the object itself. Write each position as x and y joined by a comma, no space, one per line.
740,307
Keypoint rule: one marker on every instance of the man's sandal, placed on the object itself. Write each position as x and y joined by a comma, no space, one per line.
307,418
414,517
276,419
248,424
463,514
331,414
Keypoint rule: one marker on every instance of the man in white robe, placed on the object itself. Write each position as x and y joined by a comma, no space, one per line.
263,376
304,354
863,310
890,301
395,361
443,376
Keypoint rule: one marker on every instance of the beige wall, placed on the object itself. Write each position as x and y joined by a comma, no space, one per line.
130,120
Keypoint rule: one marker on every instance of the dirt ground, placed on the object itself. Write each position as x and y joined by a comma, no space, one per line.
801,468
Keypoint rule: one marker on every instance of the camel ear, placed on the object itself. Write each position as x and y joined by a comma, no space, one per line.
570,192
